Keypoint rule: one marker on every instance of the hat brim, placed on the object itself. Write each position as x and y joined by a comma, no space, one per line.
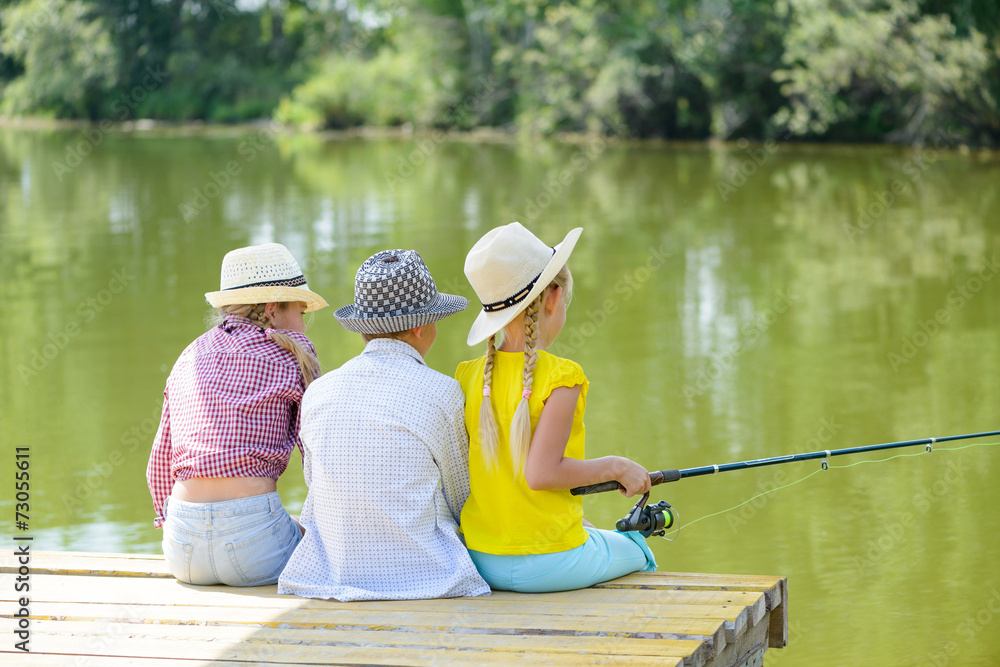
438,308
487,324
251,295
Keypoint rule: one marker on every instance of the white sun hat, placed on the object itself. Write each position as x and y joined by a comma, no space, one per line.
394,291
508,268
263,274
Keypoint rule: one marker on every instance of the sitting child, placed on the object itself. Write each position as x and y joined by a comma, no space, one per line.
385,453
524,412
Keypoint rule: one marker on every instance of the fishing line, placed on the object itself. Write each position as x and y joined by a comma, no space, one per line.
670,537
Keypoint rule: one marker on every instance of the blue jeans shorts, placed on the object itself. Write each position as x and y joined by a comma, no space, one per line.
242,542
606,555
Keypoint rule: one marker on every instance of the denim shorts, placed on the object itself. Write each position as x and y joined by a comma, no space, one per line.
242,542
606,555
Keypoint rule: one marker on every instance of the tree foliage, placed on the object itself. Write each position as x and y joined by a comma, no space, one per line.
839,70
68,55
877,70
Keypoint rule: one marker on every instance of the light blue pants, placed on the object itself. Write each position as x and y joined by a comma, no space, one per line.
242,542
607,554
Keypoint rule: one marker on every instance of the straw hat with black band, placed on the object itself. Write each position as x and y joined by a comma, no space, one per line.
263,274
508,268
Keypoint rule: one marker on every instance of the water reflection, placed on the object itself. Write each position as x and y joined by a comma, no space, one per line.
718,318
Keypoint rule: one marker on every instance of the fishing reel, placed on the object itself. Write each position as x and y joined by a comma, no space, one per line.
648,521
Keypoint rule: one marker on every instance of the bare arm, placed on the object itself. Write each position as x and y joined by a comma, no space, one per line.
548,468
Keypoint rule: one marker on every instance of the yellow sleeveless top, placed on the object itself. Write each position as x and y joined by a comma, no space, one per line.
502,515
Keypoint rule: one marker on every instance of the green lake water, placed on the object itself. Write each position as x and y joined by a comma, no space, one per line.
731,302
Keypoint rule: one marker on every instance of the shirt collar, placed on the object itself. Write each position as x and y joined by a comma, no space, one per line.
232,320
392,346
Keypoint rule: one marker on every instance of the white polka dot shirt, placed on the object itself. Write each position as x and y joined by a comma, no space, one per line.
386,463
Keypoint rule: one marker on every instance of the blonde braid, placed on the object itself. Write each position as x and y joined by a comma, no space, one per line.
308,364
520,426
258,316
489,432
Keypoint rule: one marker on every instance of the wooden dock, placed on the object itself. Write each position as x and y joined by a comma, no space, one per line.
107,610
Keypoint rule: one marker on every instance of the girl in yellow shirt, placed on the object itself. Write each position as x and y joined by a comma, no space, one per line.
524,413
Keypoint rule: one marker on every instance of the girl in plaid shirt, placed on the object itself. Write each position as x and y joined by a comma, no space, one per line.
230,422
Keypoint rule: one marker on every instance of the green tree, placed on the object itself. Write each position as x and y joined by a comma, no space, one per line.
404,70
68,55
865,69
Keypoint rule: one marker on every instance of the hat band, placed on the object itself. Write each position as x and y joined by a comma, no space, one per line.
298,281
517,298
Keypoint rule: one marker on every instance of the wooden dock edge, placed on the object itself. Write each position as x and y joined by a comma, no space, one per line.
758,622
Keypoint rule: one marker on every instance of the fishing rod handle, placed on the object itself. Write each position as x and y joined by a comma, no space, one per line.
595,488
657,477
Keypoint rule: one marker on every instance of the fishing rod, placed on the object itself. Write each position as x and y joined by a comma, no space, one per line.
650,520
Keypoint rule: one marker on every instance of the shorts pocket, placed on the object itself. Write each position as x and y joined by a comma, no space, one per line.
260,558
178,556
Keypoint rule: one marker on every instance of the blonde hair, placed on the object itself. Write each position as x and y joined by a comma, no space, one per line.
308,364
520,426
394,335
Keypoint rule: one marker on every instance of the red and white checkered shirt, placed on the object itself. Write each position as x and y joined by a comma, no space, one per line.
230,409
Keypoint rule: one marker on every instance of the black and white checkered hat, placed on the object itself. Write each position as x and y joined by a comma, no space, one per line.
394,291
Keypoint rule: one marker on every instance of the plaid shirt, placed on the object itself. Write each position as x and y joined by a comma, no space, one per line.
230,409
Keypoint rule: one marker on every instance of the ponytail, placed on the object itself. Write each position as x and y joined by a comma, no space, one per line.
308,364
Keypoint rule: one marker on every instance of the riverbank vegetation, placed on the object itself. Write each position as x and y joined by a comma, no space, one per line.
822,70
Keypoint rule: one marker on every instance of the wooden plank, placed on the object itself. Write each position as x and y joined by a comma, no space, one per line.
690,650
259,653
777,635
757,610
77,660
762,580
54,588
742,651
94,564
693,581
45,562
735,627
642,628
604,593
671,610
